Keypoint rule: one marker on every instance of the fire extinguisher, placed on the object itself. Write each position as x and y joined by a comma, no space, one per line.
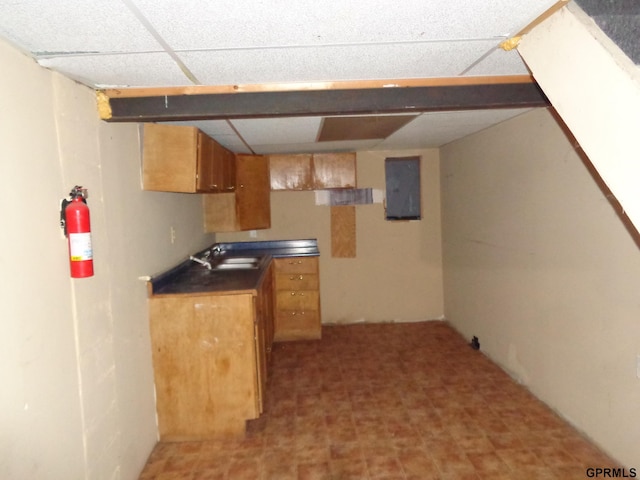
74,218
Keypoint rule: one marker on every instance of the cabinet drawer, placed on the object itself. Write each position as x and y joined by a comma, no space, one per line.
292,325
297,265
298,300
297,281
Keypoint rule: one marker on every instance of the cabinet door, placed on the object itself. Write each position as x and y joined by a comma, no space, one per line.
223,171
253,200
228,170
204,365
290,172
169,158
334,170
205,164
219,210
263,334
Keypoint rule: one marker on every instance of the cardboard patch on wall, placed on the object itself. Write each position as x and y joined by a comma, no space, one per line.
343,231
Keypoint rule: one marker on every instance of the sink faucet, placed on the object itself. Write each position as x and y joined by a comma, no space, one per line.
204,263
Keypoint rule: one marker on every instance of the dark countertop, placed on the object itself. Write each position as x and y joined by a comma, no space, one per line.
191,278
275,248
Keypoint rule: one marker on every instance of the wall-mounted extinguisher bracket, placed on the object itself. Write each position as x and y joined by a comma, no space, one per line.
76,191
74,219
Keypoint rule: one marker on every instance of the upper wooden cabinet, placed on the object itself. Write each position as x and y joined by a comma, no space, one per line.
334,170
290,172
312,171
249,206
184,159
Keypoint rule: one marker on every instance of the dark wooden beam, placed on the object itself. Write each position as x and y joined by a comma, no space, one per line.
323,102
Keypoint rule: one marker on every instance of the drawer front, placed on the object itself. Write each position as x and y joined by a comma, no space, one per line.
297,265
298,300
291,325
297,281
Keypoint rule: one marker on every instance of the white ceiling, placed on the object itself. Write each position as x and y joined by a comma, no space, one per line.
159,43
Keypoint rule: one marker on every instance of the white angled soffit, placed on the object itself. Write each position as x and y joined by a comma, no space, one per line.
595,88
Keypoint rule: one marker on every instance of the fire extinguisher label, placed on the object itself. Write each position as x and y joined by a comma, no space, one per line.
80,247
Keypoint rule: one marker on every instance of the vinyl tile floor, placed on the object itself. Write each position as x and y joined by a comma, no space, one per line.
388,401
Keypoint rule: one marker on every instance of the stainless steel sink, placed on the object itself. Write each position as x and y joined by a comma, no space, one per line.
240,260
238,263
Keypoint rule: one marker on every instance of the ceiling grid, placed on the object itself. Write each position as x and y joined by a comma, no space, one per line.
158,43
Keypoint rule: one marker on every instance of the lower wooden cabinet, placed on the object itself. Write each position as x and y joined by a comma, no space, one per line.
297,299
210,356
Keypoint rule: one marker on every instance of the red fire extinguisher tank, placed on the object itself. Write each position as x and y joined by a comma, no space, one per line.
79,235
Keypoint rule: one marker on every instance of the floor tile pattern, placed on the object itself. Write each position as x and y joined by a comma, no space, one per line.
393,401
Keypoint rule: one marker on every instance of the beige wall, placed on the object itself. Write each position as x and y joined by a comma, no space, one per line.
397,272
77,395
595,88
541,269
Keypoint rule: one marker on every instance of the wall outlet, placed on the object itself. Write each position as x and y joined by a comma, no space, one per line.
172,235
253,233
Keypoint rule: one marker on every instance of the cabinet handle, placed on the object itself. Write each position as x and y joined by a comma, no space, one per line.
299,262
293,277
231,188
213,186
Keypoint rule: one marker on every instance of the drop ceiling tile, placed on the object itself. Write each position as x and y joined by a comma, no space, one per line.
435,129
334,63
150,69
212,128
499,62
346,146
269,131
46,27
247,23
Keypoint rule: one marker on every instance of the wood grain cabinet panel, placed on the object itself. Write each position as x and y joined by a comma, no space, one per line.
334,170
170,158
297,299
316,171
184,159
290,172
223,170
210,361
297,281
249,206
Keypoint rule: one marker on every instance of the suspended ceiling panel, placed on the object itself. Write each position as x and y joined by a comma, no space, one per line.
342,62
161,43
435,129
274,131
499,62
244,41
